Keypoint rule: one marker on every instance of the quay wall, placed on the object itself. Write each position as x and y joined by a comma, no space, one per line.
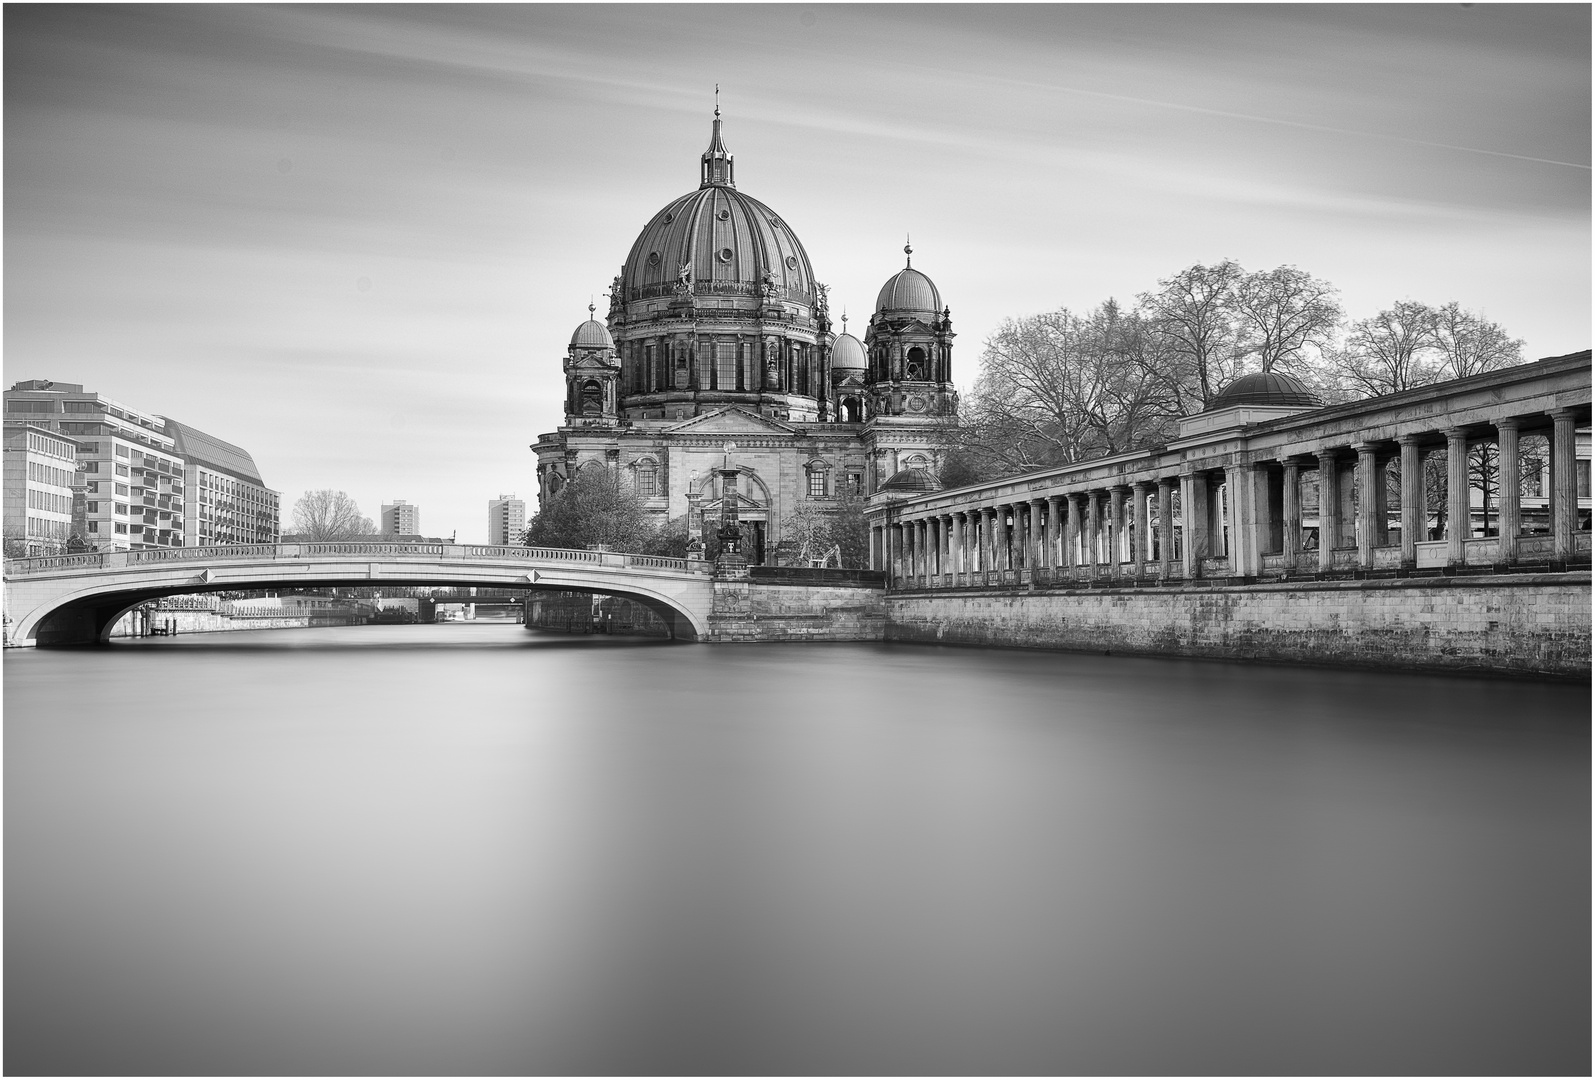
753,610
1528,624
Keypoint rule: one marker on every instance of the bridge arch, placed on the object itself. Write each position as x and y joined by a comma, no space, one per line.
78,599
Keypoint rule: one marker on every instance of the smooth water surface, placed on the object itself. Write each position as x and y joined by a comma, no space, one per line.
475,849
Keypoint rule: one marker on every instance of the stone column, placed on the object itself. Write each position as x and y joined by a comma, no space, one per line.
1459,515
1092,549
1071,530
1195,512
1368,503
1018,538
1564,484
1414,500
993,531
1244,547
1140,528
1054,557
988,539
1328,508
1115,529
1510,512
894,562
1292,512
1165,526
1034,554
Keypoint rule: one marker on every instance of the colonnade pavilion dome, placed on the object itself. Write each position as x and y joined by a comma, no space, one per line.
719,333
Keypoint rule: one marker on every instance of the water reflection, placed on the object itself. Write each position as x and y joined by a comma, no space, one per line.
470,849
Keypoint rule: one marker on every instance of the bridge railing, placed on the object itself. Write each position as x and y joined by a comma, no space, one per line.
367,549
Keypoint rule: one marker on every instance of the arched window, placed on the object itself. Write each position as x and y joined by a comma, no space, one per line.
916,363
592,398
916,461
647,472
850,411
819,479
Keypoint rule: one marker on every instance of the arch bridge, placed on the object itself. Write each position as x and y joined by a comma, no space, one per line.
77,599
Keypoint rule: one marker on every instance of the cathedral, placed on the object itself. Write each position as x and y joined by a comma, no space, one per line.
718,353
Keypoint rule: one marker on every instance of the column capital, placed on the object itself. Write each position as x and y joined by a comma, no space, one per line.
1411,438
1326,454
1365,447
1563,414
1454,434
1508,423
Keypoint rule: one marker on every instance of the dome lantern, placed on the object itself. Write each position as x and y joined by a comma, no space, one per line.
717,170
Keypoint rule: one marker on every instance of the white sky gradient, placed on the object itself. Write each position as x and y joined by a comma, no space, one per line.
355,240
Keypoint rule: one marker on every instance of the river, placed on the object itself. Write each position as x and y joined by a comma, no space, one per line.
471,848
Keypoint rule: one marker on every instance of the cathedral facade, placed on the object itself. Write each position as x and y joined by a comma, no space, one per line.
718,353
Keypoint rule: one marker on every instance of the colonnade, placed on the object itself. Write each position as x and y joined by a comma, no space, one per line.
1175,516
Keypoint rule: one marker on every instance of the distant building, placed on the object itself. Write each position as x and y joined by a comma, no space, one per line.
401,518
506,520
228,503
40,478
135,486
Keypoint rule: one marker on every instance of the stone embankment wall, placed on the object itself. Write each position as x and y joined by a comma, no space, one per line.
209,622
799,606
1521,623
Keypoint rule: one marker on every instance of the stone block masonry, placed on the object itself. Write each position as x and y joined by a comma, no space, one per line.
795,611
1524,624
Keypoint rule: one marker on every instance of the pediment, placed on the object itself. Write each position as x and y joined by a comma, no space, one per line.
593,363
731,420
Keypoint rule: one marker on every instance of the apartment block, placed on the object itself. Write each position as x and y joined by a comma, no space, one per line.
41,478
400,518
506,520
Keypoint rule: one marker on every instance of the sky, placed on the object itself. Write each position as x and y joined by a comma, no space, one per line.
355,240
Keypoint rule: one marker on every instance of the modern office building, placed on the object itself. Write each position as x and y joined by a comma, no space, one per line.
228,503
40,479
506,520
400,518
136,486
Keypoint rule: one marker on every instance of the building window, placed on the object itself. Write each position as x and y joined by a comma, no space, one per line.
647,480
94,507
94,526
120,527
725,353
817,485
121,508
121,451
855,483
1581,468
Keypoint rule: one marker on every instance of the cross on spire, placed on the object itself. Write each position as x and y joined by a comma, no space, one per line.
908,249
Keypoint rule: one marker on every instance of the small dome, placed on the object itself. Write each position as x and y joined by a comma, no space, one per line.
909,290
1266,388
847,353
592,334
911,480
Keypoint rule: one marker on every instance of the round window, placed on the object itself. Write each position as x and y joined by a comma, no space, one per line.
775,222
669,218
724,214
653,258
725,254
791,262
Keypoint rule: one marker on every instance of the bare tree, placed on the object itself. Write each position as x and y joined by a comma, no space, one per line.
1194,313
330,515
1395,350
1470,344
1281,313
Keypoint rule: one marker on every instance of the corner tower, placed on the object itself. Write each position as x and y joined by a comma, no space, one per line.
910,347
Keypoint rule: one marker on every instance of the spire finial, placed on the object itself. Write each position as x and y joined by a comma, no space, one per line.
717,99
908,249
591,307
844,320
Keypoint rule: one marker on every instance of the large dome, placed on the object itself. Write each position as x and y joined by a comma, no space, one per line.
592,334
909,290
847,353
724,240
1266,388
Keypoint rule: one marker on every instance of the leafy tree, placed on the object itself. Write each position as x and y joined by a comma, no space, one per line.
1470,344
327,515
594,509
1194,314
1282,313
1391,351
1059,387
815,530
1411,344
